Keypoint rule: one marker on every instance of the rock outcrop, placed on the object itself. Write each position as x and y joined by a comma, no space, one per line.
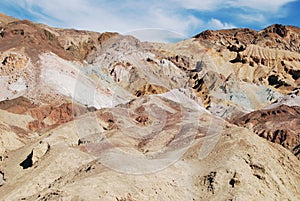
2,182
35,155
279,125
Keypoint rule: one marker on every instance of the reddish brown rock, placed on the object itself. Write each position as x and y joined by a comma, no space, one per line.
54,114
37,38
36,125
280,125
17,106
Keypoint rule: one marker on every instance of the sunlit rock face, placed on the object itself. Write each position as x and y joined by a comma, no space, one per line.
102,116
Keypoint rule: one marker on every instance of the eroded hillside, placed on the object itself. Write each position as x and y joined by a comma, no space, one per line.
101,116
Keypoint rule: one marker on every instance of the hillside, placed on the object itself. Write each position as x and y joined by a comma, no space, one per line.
102,116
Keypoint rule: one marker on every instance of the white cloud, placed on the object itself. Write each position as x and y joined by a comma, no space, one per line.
202,5
263,5
217,24
253,18
106,16
210,5
157,35
131,15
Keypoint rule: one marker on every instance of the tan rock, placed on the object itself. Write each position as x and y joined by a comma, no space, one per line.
2,181
39,151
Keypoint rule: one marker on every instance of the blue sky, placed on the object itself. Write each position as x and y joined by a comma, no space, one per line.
156,20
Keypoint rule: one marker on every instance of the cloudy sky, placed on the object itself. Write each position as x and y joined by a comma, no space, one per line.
158,20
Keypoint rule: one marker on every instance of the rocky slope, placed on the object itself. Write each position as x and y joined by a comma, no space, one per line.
270,55
101,116
276,36
279,125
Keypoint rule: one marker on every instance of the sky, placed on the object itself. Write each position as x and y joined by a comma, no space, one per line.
155,20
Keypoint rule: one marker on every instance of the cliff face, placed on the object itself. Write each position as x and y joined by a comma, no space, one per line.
101,116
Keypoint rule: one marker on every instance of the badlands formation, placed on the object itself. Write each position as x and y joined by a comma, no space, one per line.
102,116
